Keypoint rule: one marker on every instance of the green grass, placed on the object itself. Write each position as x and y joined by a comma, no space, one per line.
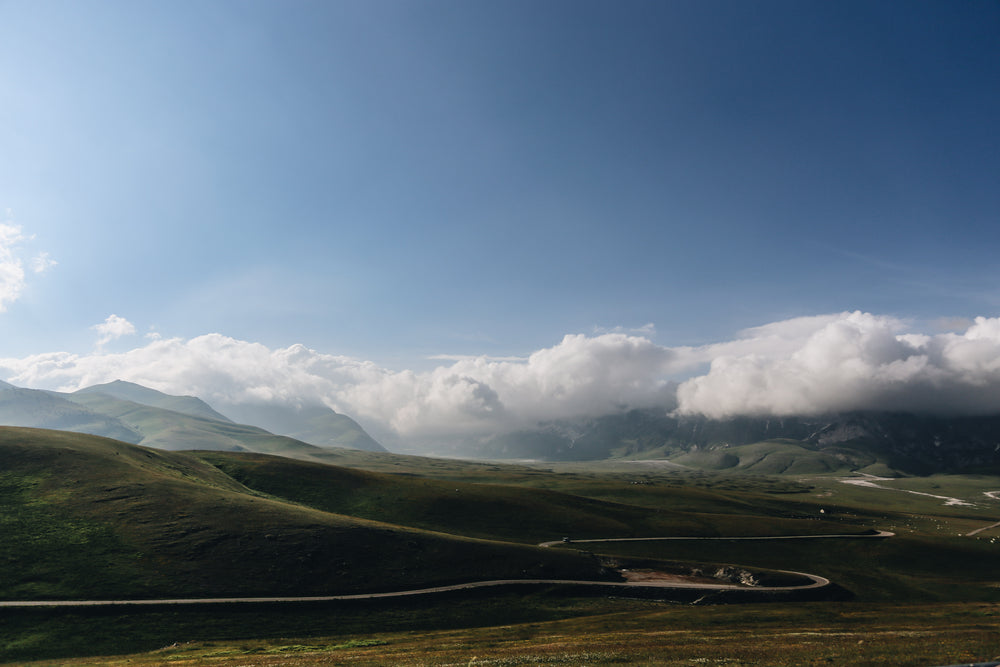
166,429
516,513
111,519
544,629
89,517
79,552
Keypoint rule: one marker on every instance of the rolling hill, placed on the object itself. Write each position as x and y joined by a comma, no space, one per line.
43,409
89,517
903,442
138,415
135,393
316,424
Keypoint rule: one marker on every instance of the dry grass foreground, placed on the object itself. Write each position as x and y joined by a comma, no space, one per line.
645,634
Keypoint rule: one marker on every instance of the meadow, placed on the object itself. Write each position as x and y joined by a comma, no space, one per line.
95,516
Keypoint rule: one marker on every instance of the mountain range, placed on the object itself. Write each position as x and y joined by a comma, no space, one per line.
139,415
882,443
874,442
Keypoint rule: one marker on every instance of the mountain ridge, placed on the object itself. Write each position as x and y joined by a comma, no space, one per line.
136,414
136,393
905,442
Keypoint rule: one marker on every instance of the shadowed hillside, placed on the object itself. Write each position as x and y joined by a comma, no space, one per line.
905,442
88,517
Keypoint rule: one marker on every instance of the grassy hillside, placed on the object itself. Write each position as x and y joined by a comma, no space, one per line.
496,511
87,517
129,391
537,630
315,424
774,457
166,429
42,409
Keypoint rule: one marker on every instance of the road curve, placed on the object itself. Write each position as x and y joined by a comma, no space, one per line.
815,581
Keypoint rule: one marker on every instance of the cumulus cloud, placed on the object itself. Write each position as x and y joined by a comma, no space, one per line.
580,375
112,328
849,361
808,365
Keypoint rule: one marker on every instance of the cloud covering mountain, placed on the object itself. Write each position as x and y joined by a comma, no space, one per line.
808,365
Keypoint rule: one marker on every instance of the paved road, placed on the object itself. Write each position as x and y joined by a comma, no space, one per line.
815,581
979,530
879,535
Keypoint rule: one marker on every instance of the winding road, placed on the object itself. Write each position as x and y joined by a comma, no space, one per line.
815,581
877,535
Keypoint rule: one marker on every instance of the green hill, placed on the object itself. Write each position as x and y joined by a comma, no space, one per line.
316,424
166,429
129,391
43,409
774,457
134,414
88,517
501,506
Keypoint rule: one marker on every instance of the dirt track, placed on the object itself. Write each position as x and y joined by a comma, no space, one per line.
641,582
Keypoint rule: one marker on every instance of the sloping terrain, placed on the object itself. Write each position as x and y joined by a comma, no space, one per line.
166,429
908,443
315,424
505,511
43,409
138,415
89,517
129,391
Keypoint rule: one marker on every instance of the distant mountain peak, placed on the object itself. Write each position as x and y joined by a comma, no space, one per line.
130,391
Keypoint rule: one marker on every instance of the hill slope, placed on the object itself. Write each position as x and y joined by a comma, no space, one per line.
316,424
129,391
917,444
138,415
491,510
166,429
84,516
43,409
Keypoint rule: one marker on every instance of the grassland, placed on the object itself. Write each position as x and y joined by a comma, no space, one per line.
611,632
97,518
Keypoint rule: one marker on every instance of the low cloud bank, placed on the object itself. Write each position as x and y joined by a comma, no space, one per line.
852,361
808,365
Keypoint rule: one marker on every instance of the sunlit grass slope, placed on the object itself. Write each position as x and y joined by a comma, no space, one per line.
518,513
167,429
88,517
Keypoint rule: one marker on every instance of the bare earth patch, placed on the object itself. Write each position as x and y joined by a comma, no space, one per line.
635,576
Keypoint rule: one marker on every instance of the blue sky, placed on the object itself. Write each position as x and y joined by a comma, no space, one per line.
394,180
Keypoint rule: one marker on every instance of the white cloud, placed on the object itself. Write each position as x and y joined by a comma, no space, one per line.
41,262
648,329
112,328
849,361
580,375
11,265
12,273
841,361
